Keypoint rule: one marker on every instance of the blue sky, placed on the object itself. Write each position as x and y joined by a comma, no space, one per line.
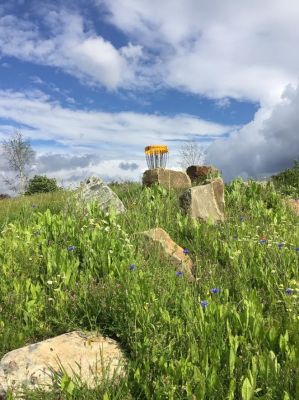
91,83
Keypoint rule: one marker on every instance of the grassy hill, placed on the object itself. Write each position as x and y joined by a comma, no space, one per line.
241,343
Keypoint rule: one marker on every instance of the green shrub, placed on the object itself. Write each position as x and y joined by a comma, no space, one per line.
287,182
41,184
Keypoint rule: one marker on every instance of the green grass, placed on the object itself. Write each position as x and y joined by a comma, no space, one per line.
243,345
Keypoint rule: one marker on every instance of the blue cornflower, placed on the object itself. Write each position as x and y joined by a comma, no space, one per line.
215,290
179,273
289,290
296,248
71,248
204,304
186,251
280,245
262,241
242,219
132,267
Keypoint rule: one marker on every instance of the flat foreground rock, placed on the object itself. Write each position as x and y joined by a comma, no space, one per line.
168,249
205,201
91,357
167,178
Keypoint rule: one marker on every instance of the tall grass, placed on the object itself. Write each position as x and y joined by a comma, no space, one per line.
182,340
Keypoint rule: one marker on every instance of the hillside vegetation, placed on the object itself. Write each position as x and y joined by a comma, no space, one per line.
64,270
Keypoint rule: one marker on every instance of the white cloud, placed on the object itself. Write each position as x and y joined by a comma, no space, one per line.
48,120
244,50
85,142
267,145
71,47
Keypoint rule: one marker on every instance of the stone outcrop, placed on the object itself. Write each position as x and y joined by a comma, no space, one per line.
159,240
94,189
90,357
294,205
205,201
167,178
200,173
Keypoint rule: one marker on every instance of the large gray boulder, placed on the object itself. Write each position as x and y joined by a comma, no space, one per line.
205,201
91,357
167,178
94,189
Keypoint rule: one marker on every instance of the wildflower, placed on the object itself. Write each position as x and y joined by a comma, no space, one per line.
289,291
296,248
242,219
71,248
179,273
215,290
262,241
186,251
49,282
280,245
132,267
204,304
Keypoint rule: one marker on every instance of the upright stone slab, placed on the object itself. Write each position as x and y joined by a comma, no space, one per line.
94,189
89,356
205,201
167,178
158,239
199,173
294,205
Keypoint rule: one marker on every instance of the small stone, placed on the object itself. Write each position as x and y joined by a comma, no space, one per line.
159,239
199,173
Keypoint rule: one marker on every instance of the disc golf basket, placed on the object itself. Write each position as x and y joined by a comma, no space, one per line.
156,156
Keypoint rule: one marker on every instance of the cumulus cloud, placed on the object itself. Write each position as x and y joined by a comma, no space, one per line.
70,46
128,166
244,50
267,145
115,133
95,142
55,162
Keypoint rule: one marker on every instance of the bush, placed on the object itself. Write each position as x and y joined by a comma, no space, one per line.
4,196
287,182
41,184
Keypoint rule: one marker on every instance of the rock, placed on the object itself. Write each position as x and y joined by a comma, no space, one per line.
167,178
200,173
294,205
87,355
157,238
205,201
94,189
